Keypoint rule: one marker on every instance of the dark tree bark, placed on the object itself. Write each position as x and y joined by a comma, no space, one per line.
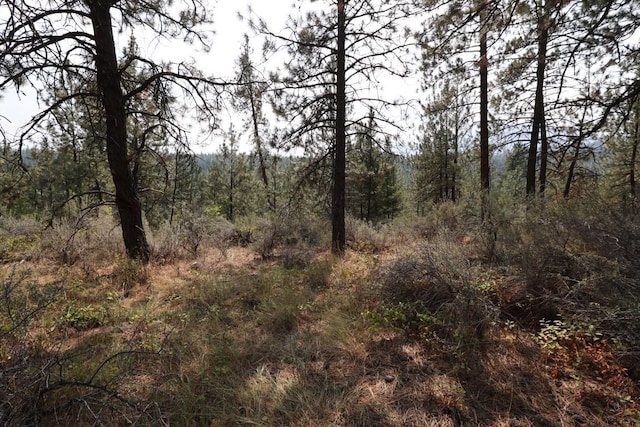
538,109
484,112
456,152
572,166
634,157
338,239
544,155
232,189
577,142
258,140
108,80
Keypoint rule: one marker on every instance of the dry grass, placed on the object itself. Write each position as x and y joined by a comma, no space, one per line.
239,340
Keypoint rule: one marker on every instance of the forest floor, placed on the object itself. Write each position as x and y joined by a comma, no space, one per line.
418,334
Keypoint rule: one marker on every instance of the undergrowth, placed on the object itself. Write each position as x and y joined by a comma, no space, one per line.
443,320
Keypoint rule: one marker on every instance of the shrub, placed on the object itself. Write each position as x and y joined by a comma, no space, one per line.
430,293
65,242
190,234
268,236
448,215
285,229
18,237
364,237
568,253
195,231
432,272
44,381
83,239
22,302
127,274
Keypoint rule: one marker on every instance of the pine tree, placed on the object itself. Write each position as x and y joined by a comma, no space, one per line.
16,193
373,190
447,121
248,99
232,185
457,33
68,172
333,51
621,159
35,46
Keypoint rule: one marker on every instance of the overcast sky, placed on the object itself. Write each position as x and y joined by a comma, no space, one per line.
17,108
229,30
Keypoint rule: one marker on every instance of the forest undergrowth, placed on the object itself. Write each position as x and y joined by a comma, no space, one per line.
526,319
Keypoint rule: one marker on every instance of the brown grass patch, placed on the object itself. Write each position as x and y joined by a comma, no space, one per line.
240,340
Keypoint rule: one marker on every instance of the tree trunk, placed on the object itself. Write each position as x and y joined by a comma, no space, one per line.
232,189
574,162
532,159
174,193
108,80
484,113
632,161
258,142
538,109
572,167
274,183
338,240
455,154
544,154
370,196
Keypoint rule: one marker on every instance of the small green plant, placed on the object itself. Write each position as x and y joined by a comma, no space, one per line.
411,318
18,246
559,335
22,301
129,273
83,318
553,335
385,317
485,285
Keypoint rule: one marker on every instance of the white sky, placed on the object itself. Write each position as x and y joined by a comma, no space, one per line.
17,108
228,30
